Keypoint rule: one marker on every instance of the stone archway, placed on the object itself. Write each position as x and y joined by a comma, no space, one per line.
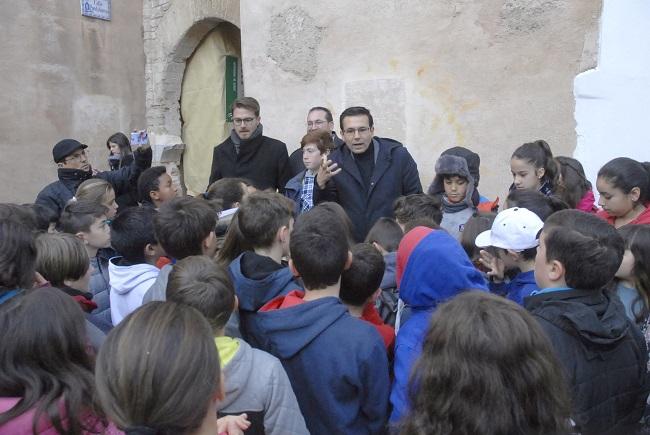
172,31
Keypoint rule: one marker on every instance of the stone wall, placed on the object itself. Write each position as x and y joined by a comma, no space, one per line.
64,75
486,75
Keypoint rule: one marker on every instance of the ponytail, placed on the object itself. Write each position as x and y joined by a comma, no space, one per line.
539,154
625,174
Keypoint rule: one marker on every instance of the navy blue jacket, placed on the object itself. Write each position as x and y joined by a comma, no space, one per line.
395,174
254,293
57,194
337,365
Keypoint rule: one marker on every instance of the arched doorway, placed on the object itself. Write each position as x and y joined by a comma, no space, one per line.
212,80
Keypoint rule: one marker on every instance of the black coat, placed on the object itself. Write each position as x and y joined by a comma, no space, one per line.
395,174
604,356
263,161
57,194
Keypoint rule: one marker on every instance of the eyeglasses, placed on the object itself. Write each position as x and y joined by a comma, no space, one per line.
245,121
360,130
76,157
318,123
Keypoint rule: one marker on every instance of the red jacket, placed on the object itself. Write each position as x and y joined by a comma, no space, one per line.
387,332
643,218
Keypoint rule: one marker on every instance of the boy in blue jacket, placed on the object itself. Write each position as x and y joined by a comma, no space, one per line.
265,220
514,234
432,268
337,364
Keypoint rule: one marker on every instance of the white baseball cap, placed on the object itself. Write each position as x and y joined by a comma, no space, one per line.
514,228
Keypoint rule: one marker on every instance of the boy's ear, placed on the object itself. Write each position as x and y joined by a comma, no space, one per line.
82,236
348,262
555,270
154,195
235,305
514,255
282,234
150,250
379,248
375,295
540,172
292,268
209,244
634,194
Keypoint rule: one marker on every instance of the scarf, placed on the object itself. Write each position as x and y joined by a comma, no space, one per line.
234,137
450,207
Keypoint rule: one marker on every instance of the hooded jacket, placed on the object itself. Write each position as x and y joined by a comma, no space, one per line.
337,364
254,293
395,174
643,218
128,286
262,160
57,194
432,268
604,357
516,290
256,383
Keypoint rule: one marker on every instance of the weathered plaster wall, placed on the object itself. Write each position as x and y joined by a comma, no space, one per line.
487,75
64,75
612,100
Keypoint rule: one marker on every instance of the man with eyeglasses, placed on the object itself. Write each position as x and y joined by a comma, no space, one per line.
248,154
318,118
375,171
74,168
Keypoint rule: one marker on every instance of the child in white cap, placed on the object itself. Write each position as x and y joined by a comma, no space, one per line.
514,235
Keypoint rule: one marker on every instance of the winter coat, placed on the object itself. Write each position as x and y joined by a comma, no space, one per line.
22,425
293,190
337,364
588,203
395,174
158,290
254,293
435,269
100,288
295,159
603,354
130,197
643,218
128,286
516,290
263,161
256,384
57,194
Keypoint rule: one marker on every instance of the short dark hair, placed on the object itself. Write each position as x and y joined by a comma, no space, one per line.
132,231
318,251
60,257
386,233
626,174
473,227
356,111
182,224
17,256
201,283
589,248
248,103
149,181
45,216
364,276
535,201
21,214
417,206
328,114
80,215
261,215
228,190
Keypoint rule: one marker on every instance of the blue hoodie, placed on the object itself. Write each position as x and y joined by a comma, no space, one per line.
337,365
521,286
436,270
254,293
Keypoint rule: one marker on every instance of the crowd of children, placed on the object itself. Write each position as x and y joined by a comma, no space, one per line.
131,309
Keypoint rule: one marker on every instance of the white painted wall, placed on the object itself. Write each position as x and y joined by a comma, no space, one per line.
613,101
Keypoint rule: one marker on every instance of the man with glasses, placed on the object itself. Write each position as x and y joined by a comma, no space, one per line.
248,154
374,171
318,118
74,168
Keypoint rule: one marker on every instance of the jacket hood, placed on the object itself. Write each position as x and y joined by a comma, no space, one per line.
389,280
454,165
594,316
436,268
253,293
289,330
126,278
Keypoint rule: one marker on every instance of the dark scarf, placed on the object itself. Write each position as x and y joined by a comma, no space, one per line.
449,207
234,137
